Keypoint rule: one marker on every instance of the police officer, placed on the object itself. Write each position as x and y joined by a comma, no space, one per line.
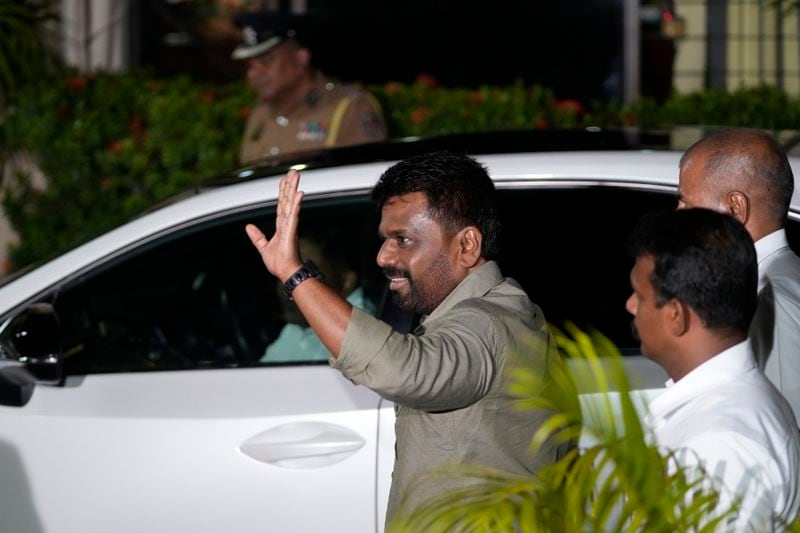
298,108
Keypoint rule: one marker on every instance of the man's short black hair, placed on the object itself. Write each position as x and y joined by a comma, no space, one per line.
459,190
704,259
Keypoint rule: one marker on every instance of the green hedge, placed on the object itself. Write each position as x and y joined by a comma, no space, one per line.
113,144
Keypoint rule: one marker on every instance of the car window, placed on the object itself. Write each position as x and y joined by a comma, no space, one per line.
567,248
202,298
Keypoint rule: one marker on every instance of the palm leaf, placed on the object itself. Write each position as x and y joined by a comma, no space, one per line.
620,483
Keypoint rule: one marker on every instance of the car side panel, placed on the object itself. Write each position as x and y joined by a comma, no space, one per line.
130,453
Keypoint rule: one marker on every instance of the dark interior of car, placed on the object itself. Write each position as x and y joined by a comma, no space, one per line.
200,297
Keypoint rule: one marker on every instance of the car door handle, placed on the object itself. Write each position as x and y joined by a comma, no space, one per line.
303,445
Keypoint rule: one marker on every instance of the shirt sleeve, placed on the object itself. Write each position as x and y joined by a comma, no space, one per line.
362,121
449,367
775,334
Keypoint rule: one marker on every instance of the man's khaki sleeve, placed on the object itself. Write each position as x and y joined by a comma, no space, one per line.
362,122
447,369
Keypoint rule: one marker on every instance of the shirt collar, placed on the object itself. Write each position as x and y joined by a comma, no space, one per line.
722,368
476,284
769,244
767,248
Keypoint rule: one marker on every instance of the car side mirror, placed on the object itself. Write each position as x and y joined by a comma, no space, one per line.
30,353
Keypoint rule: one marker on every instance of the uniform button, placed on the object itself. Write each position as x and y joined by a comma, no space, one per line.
329,86
282,121
274,150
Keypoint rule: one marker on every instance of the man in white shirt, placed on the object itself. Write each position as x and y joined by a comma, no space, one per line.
694,294
746,174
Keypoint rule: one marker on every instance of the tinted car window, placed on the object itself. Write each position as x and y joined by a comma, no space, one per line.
567,247
201,297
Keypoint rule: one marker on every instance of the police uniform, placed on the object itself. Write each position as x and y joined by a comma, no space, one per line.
328,115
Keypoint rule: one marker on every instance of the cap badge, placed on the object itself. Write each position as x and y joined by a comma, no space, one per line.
249,35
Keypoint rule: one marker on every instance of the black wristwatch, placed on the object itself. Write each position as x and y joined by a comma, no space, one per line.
308,270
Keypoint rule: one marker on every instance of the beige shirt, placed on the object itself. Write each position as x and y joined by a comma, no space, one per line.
329,115
449,382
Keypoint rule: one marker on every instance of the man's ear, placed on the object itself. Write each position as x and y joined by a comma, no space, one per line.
678,317
470,241
738,204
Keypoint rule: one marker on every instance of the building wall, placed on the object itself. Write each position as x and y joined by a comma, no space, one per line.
95,33
759,41
690,56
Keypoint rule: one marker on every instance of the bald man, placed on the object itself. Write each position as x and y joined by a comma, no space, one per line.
745,173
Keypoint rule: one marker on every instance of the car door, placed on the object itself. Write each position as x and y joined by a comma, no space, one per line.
170,419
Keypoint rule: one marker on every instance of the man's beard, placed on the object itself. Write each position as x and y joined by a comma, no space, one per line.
635,331
426,293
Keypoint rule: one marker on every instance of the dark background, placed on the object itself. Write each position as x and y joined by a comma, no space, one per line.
571,46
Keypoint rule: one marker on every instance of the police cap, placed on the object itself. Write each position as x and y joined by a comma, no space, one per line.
264,30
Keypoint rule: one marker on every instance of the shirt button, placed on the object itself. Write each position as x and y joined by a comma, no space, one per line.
282,121
274,150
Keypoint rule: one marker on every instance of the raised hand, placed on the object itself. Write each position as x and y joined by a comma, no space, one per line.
280,253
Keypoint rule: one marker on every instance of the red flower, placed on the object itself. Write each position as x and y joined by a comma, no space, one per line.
569,104
476,97
629,119
424,78
392,87
137,130
420,115
115,147
207,97
540,124
244,112
76,83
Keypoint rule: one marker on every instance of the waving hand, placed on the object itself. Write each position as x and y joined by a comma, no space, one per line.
280,253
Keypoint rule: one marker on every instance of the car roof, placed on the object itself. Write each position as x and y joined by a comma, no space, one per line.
477,143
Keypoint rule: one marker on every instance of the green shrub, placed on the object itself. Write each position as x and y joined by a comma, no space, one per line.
110,146
425,109
113,144
27,49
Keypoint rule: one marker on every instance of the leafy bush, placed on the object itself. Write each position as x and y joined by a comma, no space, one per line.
26,48
422,108
113,144
110,146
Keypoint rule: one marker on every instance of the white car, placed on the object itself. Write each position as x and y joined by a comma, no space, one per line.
136,392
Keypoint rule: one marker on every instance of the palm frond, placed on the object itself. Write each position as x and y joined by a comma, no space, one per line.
621,482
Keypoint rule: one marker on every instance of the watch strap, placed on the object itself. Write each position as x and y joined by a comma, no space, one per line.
306,271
